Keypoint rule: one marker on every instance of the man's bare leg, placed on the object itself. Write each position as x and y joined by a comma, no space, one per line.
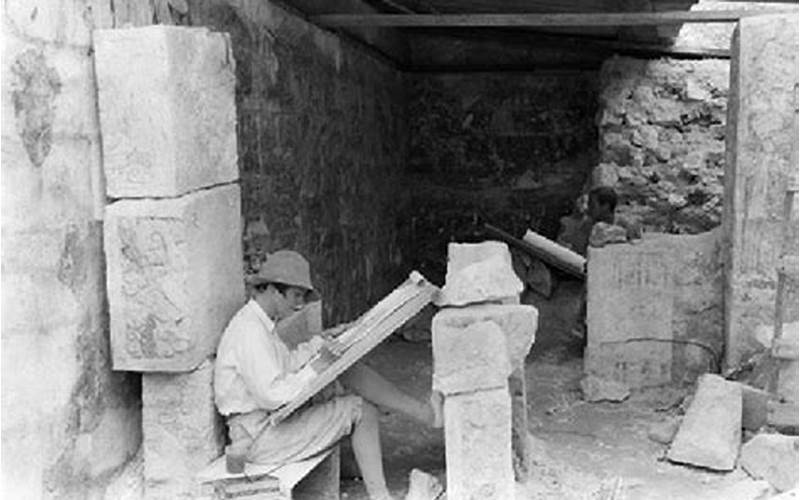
371,386
367,449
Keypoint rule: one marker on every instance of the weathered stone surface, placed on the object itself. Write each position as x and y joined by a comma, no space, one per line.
662,140
596,389
788,376
478,445
479,272
182,431
174,274
469,358
517,321
773,457
167,110
711,431
664,432
654,309
783,415
761,130
521,445
64,410
754,407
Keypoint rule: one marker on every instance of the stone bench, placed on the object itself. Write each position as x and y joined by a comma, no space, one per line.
314,478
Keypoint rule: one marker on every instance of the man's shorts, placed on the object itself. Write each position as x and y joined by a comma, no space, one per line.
308,431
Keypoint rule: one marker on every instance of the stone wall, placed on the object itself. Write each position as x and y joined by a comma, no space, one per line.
68,421
321,146
510,149
761,167
662,140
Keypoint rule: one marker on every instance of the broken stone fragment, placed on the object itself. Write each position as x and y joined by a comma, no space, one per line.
596,389
423,486
663,432
487,280
605,234
711,431
772,457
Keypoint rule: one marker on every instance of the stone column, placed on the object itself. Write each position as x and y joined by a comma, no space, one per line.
172,237
479,355
762,103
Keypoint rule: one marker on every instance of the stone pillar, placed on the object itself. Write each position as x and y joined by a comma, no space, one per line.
173,240
182,431
762,103
479,355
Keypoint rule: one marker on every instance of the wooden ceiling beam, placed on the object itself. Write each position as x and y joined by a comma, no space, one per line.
539,20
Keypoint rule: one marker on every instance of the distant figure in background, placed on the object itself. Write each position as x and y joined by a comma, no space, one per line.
597,225
596,222
257,372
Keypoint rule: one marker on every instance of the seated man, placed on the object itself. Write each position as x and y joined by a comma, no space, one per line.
256,373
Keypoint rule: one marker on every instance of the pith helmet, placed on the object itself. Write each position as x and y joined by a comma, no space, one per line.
284,266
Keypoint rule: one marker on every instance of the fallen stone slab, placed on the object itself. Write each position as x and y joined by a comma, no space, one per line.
167,110
772,457
596,389
664,432
711,431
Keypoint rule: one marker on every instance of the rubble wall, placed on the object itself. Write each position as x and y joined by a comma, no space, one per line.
68,422
321,131
510,149
661,126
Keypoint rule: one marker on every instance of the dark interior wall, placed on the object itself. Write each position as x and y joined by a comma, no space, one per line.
510,149
322,144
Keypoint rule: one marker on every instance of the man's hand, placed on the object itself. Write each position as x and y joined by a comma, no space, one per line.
336,331
325,359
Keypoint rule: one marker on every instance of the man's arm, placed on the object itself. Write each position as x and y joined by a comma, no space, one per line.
260,364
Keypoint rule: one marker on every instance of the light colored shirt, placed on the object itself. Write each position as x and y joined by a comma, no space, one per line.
254,368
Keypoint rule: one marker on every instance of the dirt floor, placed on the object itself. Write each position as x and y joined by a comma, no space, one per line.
582,449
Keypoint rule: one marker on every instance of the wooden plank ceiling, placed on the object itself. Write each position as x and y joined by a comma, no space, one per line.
524,35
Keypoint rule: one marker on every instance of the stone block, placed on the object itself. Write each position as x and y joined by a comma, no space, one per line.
788,376
783,415
478,445
182,432
517,321
772,457
174,276
596,389
167,111
664,432
711,431
761,130
654,309
468,359
754,407
479,272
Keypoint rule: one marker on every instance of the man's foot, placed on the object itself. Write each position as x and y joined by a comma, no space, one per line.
437,405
